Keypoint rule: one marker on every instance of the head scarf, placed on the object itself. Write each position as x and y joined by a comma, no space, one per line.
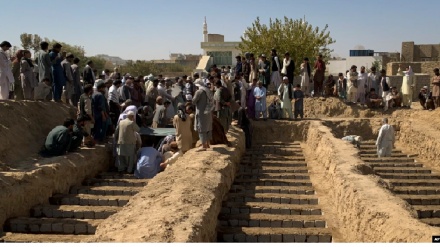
18,56
410,71
124,115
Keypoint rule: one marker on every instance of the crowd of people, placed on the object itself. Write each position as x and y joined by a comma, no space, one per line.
111,104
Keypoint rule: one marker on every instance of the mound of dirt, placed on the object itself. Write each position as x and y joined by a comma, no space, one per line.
334,107
24,126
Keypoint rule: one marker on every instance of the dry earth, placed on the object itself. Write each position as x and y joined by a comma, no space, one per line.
182,204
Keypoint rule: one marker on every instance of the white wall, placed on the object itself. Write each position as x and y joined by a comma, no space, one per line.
338,66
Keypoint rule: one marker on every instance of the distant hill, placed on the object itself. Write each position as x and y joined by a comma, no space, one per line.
114,60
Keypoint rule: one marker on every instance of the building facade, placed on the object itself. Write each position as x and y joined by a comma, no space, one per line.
420,53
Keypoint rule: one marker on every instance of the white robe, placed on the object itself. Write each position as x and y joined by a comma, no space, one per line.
385,140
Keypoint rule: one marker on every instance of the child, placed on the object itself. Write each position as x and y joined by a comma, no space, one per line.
298,95
42,90
342,87
275,109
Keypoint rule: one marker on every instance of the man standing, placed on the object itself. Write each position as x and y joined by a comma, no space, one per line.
6,76
88,74
362,84
264,70
85,111
246,66
222,99
58,140
286,98
113,101
436,87
385,139
260,101
288,70
318,78
238,66
76,81
373,80
204,102
59,79
68,75
384,87
125,135
100,113
44,65
275,77
298,95
152,94
352,85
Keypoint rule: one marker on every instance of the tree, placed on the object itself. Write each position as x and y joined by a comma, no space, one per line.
297,37
377,64
26,40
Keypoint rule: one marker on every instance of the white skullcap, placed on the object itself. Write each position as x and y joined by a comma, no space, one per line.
285,78
130,113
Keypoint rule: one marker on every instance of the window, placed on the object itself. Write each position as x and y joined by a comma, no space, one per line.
221,57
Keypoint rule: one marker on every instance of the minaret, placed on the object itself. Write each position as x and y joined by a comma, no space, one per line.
205,31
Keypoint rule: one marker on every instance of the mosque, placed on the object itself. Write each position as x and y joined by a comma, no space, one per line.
216,51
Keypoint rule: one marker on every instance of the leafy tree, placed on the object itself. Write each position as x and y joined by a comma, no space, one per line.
26,40
297,37
377,64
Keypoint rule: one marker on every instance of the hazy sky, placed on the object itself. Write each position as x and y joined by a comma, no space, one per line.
151,29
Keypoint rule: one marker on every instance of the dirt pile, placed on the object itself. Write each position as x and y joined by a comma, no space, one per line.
356,206
24,126
180,204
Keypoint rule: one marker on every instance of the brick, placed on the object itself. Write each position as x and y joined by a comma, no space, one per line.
276,223
287,223
83,202
254,223
288,238
264,223
309,223
243,223
112,203
47,212
91,229
276,200
102,202
294,201
65,201
244,210
312,239
320,223
57,213
57,228
235,211
251,239
297,223
68,214
34,228
325,239
228,237
300,238
89,215
45,228
94,202
68,228
295,212
78,214
80,228
276,238
265,210
240,237
275,211
233,222
21,227
315,212
436,213
264,238
122,203
285,211
285,200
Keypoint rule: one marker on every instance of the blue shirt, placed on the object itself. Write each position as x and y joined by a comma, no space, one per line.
148,164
